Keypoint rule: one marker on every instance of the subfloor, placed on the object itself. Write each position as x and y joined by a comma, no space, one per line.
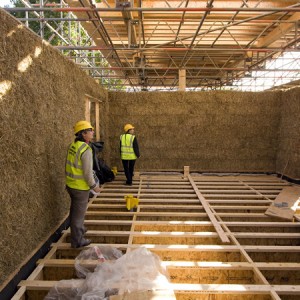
210,232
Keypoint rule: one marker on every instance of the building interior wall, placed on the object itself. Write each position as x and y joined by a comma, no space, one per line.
42,95
217,131
288,153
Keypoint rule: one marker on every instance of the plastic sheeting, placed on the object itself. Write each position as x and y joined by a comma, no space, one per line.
137,270
98,253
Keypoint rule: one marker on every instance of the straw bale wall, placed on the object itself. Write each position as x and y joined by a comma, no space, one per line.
41,97
288,156
208,131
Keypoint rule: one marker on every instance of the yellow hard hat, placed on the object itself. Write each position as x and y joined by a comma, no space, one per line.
82,125
128,127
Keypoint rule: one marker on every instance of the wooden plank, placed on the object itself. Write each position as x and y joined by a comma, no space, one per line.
150,190
211,216
153,233
278,266
243,215
242,196
162,214
285,203
128,222
93,99
198,288
237,191
239,207
266,235
192,223
134,217
37,284
236,288
20,294
158,206
262,224
182,247
239,201
152,195
279,31
297,217
200,234
69,263
146,295
273,248
151,201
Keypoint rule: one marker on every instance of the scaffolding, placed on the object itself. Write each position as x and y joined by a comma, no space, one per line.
136,46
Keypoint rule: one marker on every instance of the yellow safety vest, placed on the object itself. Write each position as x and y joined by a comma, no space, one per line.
74,171
127,152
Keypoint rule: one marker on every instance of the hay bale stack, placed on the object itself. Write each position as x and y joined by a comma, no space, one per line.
288,156
208,131
41,97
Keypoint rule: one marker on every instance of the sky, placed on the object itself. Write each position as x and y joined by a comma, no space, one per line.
5,3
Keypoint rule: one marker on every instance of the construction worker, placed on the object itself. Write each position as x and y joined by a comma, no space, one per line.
80,180
129,150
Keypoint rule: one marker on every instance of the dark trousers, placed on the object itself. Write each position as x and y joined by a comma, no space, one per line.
79,202
128,169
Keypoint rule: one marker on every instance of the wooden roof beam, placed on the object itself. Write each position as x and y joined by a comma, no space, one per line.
279,31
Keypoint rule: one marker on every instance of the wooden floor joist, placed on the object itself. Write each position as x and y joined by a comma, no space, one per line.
210,232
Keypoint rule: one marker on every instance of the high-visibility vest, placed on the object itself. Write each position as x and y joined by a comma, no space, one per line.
74,171
127,152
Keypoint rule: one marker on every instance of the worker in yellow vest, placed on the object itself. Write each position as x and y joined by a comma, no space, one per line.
129,150
80,179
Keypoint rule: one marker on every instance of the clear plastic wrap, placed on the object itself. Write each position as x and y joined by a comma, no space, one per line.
138,270
99,253
66,290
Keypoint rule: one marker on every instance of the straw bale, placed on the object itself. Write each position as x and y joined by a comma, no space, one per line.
288,156
41,97
208,131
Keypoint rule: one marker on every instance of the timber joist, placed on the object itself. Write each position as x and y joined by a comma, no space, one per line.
210,232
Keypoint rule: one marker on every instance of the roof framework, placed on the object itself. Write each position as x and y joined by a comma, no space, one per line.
147,43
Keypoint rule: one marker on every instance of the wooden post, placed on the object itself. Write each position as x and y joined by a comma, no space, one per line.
97,107
182,80
87,113
186,171
88,100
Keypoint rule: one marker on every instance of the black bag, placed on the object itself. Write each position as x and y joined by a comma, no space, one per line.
105,173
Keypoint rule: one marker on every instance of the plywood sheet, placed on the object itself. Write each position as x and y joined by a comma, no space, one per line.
285,204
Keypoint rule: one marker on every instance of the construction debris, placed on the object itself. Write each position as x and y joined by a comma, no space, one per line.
285,204
136,271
